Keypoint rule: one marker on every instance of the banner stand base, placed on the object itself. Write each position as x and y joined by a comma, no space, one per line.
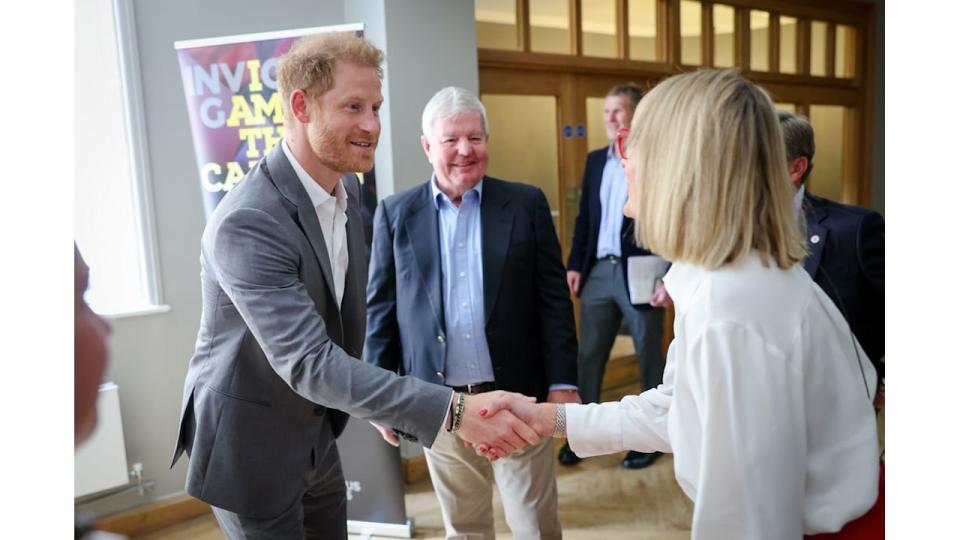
369,529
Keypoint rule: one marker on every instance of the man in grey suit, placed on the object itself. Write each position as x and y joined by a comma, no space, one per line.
467,289
283,271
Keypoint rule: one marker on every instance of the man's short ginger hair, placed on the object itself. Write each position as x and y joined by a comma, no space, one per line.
310,62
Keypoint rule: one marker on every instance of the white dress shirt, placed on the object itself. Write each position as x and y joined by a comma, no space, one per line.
764,403
332,213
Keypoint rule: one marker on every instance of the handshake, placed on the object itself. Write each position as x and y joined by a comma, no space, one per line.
498,423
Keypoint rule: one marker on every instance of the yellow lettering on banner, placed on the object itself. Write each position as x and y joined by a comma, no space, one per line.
240,111
251,135
270,140
257,116
273,107
271,135
253,66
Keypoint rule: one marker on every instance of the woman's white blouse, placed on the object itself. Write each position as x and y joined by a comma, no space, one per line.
764,404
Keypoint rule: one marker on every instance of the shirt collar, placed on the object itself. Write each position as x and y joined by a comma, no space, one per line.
798,201
681,282
611,154
437,193
318,195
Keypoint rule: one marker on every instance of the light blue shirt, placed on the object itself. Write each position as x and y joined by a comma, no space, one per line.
613,196
461,263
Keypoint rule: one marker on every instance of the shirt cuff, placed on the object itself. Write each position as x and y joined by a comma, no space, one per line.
443,425
562,387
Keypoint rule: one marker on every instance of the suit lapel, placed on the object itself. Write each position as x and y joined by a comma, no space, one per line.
423,231
816,235
287,182
355,283
496,224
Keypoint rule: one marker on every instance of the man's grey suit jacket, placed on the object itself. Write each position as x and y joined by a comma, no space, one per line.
275,358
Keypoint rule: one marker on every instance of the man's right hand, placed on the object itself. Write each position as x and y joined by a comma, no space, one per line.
502,435
573,281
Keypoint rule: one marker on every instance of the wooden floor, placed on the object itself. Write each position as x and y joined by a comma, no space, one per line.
598,499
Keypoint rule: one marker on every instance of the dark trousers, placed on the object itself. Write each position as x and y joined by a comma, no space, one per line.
604,304
320,514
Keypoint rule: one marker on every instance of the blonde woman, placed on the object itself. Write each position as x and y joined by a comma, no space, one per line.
766,397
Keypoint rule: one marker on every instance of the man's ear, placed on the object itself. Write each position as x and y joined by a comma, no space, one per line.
797,168
425,143
300,106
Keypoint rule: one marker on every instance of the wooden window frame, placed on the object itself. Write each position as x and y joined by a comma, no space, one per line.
802,89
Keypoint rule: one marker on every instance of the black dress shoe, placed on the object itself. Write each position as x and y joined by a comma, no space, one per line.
639,460
567,457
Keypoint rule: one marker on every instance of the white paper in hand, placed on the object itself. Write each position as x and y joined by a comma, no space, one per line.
643,271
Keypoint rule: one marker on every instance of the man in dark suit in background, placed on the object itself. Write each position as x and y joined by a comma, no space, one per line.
467,290
846,245
597,271
284,274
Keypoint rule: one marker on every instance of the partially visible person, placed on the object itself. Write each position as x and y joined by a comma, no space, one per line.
846,245
766,403
597,271
276,368
90,333
467,290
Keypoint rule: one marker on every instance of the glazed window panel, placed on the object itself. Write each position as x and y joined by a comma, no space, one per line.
723,17
818,49
846,51
496,22
550,26
599,27
759,40
826,179
690,32
788,44
642,26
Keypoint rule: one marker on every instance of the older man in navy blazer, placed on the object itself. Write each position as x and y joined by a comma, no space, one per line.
467,289
846,245
597,271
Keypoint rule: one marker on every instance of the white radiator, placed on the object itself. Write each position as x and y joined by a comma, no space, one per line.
101,461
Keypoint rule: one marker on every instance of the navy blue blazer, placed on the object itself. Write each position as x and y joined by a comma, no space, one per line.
529,317
846,259
583,251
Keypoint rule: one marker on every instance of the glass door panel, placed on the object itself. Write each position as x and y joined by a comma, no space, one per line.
524,143
826,179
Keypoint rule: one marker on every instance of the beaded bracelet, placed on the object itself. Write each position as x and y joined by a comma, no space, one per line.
458,413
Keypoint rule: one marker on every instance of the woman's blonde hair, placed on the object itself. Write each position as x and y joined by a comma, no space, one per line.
711,173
